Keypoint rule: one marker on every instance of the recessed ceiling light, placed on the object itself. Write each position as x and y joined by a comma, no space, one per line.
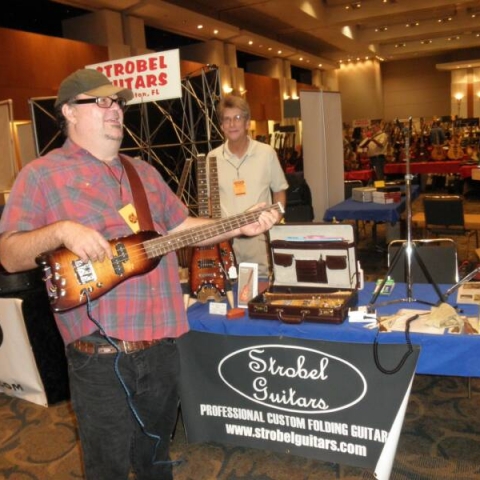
199,27
250,42
215,32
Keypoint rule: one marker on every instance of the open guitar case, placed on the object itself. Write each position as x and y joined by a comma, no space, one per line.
315,274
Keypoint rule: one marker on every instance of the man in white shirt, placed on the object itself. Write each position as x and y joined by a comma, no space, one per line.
248,173
377,145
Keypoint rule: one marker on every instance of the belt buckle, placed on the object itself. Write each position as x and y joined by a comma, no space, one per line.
128,347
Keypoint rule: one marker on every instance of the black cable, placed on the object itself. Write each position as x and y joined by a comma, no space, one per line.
405,356
130,404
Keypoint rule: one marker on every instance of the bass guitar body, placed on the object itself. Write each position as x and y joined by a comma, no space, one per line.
71,282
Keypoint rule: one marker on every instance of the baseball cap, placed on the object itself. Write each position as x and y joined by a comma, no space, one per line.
89,82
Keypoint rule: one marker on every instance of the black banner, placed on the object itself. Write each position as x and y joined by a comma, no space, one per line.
323,400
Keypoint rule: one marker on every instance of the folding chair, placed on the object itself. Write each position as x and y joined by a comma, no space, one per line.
429,251
444,216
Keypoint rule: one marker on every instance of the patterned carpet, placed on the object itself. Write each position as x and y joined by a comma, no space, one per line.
440,438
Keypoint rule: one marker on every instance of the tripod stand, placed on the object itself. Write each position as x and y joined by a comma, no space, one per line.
408,249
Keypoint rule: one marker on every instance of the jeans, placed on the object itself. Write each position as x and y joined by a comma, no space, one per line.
112,439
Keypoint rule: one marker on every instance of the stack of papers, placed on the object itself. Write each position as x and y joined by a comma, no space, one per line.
398,323
469,292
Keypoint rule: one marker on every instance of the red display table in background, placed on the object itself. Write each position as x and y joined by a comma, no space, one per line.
363,175
433,167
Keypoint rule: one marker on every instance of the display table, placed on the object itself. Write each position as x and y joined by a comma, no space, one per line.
368,211
350,209
448,354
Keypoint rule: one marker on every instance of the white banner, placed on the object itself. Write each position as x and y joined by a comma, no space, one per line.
151,77
19,375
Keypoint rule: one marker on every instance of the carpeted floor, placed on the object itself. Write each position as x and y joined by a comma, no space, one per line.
440,439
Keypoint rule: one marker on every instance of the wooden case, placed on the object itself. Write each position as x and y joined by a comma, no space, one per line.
315,275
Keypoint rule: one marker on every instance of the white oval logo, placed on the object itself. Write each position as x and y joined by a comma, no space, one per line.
293,379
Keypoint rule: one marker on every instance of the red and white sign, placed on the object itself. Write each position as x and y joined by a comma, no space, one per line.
151,77
362,123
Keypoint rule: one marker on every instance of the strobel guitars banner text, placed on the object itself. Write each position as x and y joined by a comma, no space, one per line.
151,77
322,400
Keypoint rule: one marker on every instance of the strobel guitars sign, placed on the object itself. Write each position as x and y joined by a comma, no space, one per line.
151,77
323,400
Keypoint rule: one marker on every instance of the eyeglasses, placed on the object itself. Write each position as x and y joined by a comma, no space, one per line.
235,119
102,102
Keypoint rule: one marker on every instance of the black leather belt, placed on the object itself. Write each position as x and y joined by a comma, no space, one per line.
122,346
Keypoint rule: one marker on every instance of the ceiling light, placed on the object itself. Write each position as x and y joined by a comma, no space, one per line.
199,27
400,45
426,42
250,42
215,32
381,29
353,6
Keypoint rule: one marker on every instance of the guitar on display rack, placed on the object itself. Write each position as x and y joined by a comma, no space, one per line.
438,152
210,265
455,150
71,282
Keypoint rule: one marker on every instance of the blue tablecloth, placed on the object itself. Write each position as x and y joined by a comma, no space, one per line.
447,354
368,211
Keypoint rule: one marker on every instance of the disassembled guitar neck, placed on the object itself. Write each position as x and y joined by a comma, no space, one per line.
320,300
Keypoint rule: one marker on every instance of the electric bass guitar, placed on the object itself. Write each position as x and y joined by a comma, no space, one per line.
211,265
72,282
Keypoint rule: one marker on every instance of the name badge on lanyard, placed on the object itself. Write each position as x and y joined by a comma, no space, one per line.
239,187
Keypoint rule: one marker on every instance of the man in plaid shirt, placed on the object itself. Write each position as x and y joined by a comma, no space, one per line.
121,349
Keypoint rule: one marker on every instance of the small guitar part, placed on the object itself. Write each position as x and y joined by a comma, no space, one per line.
247,288
235,313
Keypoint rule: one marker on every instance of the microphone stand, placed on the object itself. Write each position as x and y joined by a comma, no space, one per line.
408,246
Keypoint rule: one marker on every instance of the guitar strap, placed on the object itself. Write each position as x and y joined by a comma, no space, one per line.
139,196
